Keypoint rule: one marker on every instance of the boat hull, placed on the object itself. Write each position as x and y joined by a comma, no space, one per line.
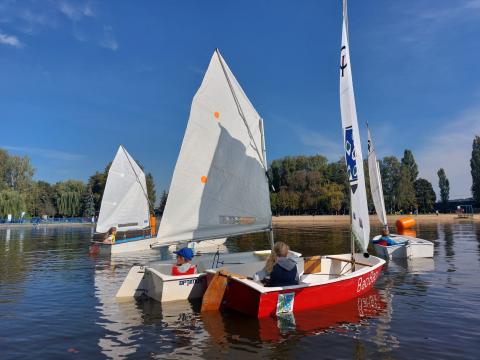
252,299
156,281
410,248
122,246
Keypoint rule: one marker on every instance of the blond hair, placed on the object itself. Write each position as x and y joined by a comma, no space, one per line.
280,249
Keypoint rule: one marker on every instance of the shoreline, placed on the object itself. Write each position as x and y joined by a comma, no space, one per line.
345,219
62,224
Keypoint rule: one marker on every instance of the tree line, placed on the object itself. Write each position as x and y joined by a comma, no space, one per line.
21,195
312,185
299,185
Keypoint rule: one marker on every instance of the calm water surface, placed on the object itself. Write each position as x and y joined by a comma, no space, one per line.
57,302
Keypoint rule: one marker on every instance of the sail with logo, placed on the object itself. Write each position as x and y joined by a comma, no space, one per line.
376,182
353,148
219,186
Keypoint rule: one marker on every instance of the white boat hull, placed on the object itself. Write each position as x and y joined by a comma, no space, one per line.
122,246
156,282
409,247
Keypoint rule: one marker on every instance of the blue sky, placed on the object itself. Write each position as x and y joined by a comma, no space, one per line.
78,78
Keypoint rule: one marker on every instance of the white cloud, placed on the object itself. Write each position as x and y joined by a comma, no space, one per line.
108,41
10,40
450,147
46,153
76,12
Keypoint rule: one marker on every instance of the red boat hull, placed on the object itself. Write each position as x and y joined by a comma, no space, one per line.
250,301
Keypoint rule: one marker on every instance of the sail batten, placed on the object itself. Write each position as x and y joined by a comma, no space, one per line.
353,148
124,202
219,187
376,182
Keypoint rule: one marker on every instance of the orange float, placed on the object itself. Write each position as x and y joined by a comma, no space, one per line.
405,224
153,225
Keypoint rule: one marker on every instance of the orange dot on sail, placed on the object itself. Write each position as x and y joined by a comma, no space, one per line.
203,179
216,114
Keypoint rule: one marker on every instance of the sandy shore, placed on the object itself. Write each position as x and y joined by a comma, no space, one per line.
339,219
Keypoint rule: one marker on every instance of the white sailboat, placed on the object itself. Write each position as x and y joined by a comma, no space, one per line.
124,206
219,187
407,246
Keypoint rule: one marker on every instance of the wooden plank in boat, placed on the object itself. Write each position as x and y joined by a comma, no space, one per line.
349,261
212,300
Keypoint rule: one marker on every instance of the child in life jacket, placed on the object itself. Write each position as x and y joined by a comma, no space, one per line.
112,233
183,266
385,239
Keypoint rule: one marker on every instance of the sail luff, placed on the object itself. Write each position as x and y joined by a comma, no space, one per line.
353,147
376,181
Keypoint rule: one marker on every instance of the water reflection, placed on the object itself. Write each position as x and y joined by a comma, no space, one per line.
338,318
118,319
54,298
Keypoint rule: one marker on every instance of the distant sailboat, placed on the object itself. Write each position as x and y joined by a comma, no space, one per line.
376,188
220,185
407,246
124,205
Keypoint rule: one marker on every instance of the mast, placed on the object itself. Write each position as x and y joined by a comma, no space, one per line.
264,154
360,226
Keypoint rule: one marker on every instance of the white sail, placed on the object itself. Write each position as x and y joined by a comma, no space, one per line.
124,202
376,182
219,186
353,147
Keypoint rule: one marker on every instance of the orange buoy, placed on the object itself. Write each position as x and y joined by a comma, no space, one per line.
153,224
404,224
408,232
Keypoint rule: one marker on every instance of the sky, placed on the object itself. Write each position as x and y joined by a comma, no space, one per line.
79,78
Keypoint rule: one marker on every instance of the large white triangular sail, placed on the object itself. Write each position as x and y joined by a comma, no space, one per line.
353,147
124,202
376,182
219,186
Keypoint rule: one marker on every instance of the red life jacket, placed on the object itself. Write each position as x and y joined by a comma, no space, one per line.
176,272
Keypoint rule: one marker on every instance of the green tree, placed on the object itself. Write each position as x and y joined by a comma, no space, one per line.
11,202
68,196
97,183
405,195
18,173
409,162
88,203
40,199
475,170
152,194
444,186
425,195
3,163
390,171
163,202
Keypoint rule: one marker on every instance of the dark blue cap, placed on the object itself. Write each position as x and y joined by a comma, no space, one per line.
186,253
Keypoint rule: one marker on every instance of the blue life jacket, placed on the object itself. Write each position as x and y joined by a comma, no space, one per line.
284,273
389,240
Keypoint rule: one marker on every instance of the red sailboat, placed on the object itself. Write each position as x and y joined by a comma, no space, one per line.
324,280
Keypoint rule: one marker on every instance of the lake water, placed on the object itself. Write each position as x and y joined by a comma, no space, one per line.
57,302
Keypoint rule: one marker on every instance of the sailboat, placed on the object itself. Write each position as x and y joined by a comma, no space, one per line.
124,206
407,246
328,279
219,188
